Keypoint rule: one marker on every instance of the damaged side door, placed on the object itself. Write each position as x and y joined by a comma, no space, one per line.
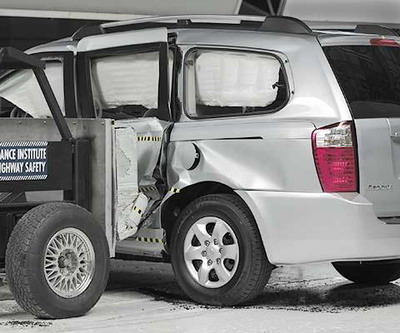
124,76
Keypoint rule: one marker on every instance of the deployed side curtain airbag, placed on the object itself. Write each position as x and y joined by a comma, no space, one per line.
22,89
126,80
55,74
226,78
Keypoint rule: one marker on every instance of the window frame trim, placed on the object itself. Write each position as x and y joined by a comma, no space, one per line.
84,75
233,49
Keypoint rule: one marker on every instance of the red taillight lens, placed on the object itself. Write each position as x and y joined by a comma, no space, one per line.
335,157
384,42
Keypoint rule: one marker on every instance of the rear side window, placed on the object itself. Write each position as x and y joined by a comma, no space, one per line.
369,77
230,83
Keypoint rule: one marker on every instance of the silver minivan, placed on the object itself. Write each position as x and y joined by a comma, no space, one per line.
268,143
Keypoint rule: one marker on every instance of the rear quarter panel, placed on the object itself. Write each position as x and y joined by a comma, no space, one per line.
273,151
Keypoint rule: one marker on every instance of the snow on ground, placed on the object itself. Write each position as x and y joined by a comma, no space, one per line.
144,297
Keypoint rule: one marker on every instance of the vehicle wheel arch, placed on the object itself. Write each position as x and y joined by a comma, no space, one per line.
172,207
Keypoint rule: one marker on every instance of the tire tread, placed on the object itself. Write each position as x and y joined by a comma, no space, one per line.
261,268
18,274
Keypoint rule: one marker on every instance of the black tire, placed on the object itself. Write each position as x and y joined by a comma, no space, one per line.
369,272
25,260
253,268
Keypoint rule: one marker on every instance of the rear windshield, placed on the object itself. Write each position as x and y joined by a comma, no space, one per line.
369,77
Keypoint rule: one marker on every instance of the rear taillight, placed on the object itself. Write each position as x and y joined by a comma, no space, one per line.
335,157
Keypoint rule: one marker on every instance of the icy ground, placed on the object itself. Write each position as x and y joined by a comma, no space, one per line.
144,297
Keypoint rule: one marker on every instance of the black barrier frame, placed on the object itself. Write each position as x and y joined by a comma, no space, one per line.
68,159
14,59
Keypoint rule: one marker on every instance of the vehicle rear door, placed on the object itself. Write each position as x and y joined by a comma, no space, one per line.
368,71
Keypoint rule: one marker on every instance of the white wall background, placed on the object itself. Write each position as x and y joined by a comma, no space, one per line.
372,11
138,7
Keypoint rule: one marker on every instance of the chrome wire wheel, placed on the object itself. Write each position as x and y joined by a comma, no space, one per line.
211,252
69,262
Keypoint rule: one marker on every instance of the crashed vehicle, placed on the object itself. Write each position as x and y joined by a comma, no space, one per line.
226,145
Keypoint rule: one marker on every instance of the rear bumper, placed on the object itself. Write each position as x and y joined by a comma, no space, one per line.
313,227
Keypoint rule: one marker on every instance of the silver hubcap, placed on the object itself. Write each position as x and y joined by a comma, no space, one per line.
69,262
211,252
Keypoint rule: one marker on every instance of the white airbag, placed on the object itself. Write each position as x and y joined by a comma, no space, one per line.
23,90
126,80
55,74
236,79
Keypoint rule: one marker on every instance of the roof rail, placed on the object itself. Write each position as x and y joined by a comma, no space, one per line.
375,29
187,21
86,31
173,20
285,24
282,24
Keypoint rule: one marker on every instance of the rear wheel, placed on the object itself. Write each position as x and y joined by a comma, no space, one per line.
217,252
57,261
369,272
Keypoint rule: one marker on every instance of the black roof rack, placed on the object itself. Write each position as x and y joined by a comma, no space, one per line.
86,31
282,24
93,30
184,23
285,24
375,29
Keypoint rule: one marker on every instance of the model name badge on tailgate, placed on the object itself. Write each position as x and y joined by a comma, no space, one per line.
380,187
23,160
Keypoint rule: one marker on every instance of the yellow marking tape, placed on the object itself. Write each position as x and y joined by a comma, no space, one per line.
148,188
149,240
149,138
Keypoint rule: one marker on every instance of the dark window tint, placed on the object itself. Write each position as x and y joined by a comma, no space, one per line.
369,77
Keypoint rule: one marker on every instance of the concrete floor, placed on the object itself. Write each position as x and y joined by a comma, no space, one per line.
144,297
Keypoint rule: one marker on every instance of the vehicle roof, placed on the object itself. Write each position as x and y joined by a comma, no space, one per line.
61,45
192,27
